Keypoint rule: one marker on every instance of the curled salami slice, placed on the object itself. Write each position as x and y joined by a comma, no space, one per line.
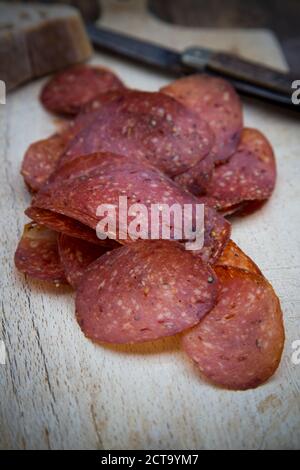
145,125
37,254
232,256
104,182
216,233
94,164
63,224
218,104
41,159
196,179
238,345
142,292
102,179
69,91
249,175
76,255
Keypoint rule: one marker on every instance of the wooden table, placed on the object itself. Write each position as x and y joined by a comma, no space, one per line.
60,391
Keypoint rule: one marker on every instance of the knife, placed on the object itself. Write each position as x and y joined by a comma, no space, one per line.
249,78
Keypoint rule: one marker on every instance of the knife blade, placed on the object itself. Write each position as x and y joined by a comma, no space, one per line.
141,51
249,78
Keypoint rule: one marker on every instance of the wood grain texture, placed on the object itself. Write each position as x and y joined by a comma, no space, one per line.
60,391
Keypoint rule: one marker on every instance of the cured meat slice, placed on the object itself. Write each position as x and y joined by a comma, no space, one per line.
145,125
143,292
76,255
242,209
238,345
69,91
94,164
104,182
249,175
79,187
217,103
63,224
37,254
79,197
41,159
216,234
196,179
232,256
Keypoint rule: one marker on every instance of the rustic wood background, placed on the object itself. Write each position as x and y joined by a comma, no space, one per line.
281,17
58,390
90,9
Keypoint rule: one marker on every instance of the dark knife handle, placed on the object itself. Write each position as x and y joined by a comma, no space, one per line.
251,72
237,68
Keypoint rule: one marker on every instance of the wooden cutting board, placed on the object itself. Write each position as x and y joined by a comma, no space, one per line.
60,391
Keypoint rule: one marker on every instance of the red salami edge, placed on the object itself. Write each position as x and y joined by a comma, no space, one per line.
239,344
76,255
249,175
70,90
37,255
232,256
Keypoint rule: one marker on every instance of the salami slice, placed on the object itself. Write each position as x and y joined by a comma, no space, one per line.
196,179
69,91
79,197
142,292
145,125
94,164
249,175
242,209
216,233
104,182
76,255
37,255
232,256
218,104
41,159
63,224
238,345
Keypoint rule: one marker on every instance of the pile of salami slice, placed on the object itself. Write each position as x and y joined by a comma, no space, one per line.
184,144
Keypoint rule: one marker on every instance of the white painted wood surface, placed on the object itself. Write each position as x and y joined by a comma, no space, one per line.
58,390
